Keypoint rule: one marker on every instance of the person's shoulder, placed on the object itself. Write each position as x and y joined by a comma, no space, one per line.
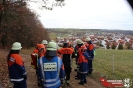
15,56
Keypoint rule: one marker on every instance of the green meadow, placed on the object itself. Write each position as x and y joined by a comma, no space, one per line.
113,64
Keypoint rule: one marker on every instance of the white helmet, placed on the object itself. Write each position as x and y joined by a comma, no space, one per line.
16,46
88,39
52,46
51,49
79,42
44,42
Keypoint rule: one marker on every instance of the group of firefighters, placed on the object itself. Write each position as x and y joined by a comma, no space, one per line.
53,64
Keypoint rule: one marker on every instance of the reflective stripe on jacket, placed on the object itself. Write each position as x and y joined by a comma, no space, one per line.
16,68
51,71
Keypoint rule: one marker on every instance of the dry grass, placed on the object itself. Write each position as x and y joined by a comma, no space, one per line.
4,80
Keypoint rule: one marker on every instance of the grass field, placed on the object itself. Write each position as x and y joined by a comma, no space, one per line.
113,64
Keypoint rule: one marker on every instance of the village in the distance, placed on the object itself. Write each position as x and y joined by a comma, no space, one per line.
102,38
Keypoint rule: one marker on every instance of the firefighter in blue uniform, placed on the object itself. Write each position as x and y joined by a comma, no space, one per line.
17,71
51,68
79,43
76,48
83,64
90,51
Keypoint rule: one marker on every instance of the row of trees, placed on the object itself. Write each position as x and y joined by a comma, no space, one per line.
127,46
18,23
120,47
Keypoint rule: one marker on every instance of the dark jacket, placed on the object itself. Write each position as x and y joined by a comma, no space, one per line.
16,68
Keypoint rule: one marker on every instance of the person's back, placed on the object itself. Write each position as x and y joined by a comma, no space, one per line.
67,54
51,68
36,49
38,52
90,51
17,71
51,71
83,64
66,58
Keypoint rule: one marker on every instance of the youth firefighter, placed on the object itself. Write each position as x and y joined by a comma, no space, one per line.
36,49
79,44
82,64
51,68
90,51
45,42
67,54
17,71
35,56
76,48
37,53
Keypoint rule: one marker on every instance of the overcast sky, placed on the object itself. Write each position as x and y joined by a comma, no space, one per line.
89,14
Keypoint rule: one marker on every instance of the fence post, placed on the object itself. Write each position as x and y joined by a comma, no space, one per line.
113,63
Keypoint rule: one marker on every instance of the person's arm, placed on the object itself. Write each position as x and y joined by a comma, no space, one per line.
20,67
86,56
40,68
73,55
62,73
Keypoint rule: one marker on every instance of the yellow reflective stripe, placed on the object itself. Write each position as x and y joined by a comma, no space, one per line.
50,85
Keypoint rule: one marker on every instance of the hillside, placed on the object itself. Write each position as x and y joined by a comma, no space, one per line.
110,64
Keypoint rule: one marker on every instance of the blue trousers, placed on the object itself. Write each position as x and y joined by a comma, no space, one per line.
82,78
90,66
21,84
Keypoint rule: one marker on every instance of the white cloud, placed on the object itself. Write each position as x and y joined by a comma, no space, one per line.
91,14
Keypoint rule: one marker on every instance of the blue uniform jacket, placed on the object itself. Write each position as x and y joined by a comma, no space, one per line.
90,50
16,68
51,71
83,63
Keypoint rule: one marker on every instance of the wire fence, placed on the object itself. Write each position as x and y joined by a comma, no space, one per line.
114,65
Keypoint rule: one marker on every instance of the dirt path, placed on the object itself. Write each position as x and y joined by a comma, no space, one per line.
1,85
32,79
